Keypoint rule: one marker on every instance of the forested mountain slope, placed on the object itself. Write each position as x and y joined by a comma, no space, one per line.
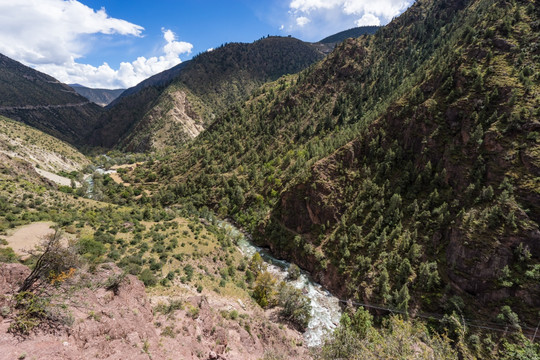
39,100
402,170
178,104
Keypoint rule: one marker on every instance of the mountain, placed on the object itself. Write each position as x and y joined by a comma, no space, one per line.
401,170
351,33
102,97
178,104
39,100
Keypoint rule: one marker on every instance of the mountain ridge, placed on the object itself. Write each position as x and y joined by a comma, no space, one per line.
350,33
211,82
39,100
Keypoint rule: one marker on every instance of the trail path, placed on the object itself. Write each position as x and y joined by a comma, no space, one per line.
36,107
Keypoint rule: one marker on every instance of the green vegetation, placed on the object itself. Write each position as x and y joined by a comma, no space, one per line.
401,170
381,163
358,338
145,117
401,163
268,292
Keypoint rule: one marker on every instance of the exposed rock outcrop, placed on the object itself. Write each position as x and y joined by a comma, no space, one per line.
121,323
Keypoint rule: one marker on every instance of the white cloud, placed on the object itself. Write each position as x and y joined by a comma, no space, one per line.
308,5
385,8
302,21
51,35
174,48
128,74
330,16
367,20
49,31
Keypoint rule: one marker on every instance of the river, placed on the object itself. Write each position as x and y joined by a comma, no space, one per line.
89,178
325,309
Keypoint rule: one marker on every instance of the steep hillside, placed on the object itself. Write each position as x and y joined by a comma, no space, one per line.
108,314
177,104
401,170
39,100
182,289
29,153
102,97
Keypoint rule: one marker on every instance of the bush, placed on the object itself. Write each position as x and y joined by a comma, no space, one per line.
7,255
264,291
296,307
148,278
32,311
91,247
55,264
399,340
114,281
293,273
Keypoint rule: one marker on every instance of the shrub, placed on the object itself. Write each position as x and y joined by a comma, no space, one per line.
7,255
293,273
148,278
54,262
32,311
114,281
296,307
264,290
91,247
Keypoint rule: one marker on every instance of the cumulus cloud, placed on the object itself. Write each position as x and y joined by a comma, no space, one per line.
48,31
385,8
51,35
308,5
329,16
302,21
367,20
128,74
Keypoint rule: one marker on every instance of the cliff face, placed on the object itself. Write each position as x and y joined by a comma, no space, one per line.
124,323
168,123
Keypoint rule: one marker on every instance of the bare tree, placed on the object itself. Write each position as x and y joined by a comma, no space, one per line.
54,261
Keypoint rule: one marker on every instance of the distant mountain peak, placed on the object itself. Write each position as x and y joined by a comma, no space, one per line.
102,97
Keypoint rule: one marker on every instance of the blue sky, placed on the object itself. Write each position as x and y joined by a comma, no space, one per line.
203,23
118,43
